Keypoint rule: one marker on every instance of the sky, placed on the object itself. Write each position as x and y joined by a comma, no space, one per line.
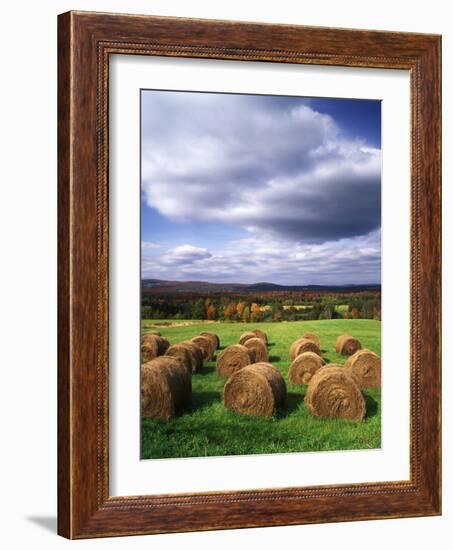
253,188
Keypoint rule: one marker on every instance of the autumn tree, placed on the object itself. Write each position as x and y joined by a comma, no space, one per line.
246,314
355,313
229,310
211,312
255,312
240,309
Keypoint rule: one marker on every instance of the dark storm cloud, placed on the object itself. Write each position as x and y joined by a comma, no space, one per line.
265,164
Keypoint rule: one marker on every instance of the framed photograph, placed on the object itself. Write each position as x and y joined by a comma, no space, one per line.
249,275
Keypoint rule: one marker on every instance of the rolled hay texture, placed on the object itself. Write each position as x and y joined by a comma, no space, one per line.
155,332
313,337
232,359
304,367
347,344
301,345
182,354
148,336
260,334
148,350
166,388
255,390
246,336
196,355
205,345
365,367
212,340
162,343
339,342
333,393
213,337
257,349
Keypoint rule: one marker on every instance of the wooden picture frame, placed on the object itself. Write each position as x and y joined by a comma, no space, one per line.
85,42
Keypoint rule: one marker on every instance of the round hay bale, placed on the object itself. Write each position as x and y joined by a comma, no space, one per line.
155,332
305,345
260,334
148,350
304,367
232,359
292,349
162,343
212,336
347,345
196,355
148,336
255,390
166,388
313,337
333,393
365,367
257,349
181,353
246,336
339,342
205,345
302,345
212,340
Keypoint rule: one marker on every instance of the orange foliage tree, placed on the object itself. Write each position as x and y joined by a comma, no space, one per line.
240,309
229,310
255,312
355,313
211,311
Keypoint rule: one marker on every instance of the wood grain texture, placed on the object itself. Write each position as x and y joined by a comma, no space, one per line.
64,370
85,42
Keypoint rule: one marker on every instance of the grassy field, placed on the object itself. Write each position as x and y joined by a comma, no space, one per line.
211,430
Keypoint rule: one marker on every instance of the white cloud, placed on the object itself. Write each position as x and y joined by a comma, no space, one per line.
265,167
185,254
254,259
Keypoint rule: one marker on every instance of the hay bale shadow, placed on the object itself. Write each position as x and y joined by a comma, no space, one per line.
207,369
274,358
371,406
203,399
293,402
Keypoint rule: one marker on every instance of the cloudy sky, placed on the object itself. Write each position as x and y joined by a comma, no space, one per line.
248,188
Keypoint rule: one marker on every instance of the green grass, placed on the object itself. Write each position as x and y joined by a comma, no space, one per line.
211,430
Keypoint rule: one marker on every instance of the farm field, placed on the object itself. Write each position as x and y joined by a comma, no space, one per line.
211,430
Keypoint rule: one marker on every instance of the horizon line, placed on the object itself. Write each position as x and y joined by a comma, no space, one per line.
256,283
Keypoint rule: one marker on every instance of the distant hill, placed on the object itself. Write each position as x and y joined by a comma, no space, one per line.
159,285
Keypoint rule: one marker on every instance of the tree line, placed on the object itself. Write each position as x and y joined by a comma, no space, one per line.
262,307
